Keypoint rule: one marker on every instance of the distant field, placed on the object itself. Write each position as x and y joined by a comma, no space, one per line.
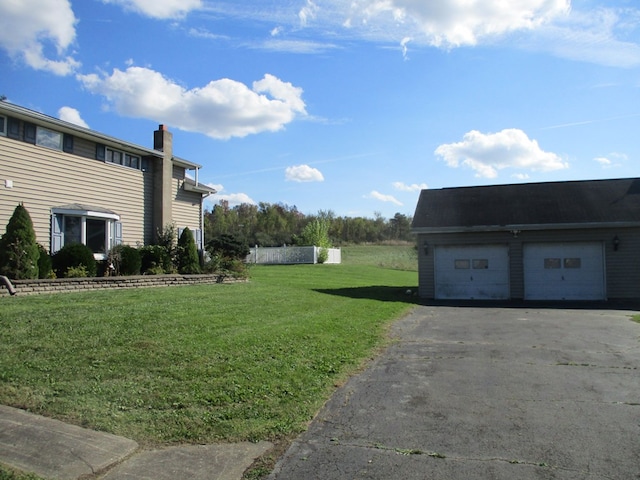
395,257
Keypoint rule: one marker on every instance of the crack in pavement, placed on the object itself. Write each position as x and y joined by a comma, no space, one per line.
433,454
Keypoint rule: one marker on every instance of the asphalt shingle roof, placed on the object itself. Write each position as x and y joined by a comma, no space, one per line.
551,203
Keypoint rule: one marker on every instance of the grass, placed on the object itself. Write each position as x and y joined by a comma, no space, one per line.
199,364
397,257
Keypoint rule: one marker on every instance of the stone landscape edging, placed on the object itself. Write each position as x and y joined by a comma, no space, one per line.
61,285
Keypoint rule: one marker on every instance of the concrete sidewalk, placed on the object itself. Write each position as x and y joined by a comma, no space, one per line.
55,450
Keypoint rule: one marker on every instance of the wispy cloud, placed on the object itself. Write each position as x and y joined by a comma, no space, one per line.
587,122
375,195
612,160
294,46
159,9
414,187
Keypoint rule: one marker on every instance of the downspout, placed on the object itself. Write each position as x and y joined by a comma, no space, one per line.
7,283
202,199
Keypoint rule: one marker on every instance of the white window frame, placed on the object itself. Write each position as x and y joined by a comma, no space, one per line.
109,218
3,125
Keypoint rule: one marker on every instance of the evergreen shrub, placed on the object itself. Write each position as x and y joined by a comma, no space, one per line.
188,259
125,259
74,255
18,247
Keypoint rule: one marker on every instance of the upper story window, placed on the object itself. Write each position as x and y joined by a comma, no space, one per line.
48,138
3,125
121,158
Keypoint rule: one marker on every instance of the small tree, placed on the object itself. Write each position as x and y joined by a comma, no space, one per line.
19,252
187,255
316,233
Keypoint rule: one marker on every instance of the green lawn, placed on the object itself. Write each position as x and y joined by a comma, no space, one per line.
199,364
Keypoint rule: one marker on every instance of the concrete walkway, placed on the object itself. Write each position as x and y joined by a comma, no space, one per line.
55,450
485,393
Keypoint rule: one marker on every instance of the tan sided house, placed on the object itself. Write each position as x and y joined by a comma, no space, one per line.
83,186
576,240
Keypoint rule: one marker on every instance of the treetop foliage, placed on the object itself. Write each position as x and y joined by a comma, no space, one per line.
269,225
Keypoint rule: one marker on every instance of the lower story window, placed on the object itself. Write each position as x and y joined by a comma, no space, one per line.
98,229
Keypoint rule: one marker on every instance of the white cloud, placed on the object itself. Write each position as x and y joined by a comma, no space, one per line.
233,199
71,115
453,23
28,28
221,109
488,153
383,198
160,9
276,31
520,176
303,173
414,187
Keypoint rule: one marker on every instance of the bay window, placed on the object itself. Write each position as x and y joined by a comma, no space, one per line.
98,229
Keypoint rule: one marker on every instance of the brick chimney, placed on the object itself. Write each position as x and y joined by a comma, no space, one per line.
162,179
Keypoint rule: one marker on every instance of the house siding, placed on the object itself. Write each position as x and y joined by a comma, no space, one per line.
622,267
44,178
186,205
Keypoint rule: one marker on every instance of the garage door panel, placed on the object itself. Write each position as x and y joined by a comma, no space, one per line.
472,272
564,271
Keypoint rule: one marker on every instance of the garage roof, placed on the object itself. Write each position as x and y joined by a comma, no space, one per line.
576,204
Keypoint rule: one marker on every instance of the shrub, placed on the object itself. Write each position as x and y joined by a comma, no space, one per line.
155,260
323,255
45,270
126,260
228,246
188,259
76,272
167,239
18,248
74,255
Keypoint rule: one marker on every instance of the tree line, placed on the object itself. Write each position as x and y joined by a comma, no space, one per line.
268,225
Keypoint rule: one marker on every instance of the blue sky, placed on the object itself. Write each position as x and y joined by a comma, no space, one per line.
345,106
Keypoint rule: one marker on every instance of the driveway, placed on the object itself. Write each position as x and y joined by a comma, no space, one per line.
485,393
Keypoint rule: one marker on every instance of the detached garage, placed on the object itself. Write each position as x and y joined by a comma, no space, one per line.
537,241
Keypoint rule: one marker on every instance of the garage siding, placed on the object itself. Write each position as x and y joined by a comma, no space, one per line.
622,267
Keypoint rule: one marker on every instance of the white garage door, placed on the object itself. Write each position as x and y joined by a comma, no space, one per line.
564,271
472,272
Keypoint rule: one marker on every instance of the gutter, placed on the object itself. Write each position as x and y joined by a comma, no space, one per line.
524,227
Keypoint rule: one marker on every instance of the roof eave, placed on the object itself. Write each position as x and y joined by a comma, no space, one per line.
71,128
199,188
525,227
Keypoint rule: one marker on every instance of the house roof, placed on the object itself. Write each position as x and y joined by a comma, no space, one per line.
550,205
22,113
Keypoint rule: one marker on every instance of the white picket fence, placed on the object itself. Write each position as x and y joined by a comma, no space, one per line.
290,255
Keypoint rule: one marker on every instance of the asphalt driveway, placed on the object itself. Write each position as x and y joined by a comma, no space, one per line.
486,393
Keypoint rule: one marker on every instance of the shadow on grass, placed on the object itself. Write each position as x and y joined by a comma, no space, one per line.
382,293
